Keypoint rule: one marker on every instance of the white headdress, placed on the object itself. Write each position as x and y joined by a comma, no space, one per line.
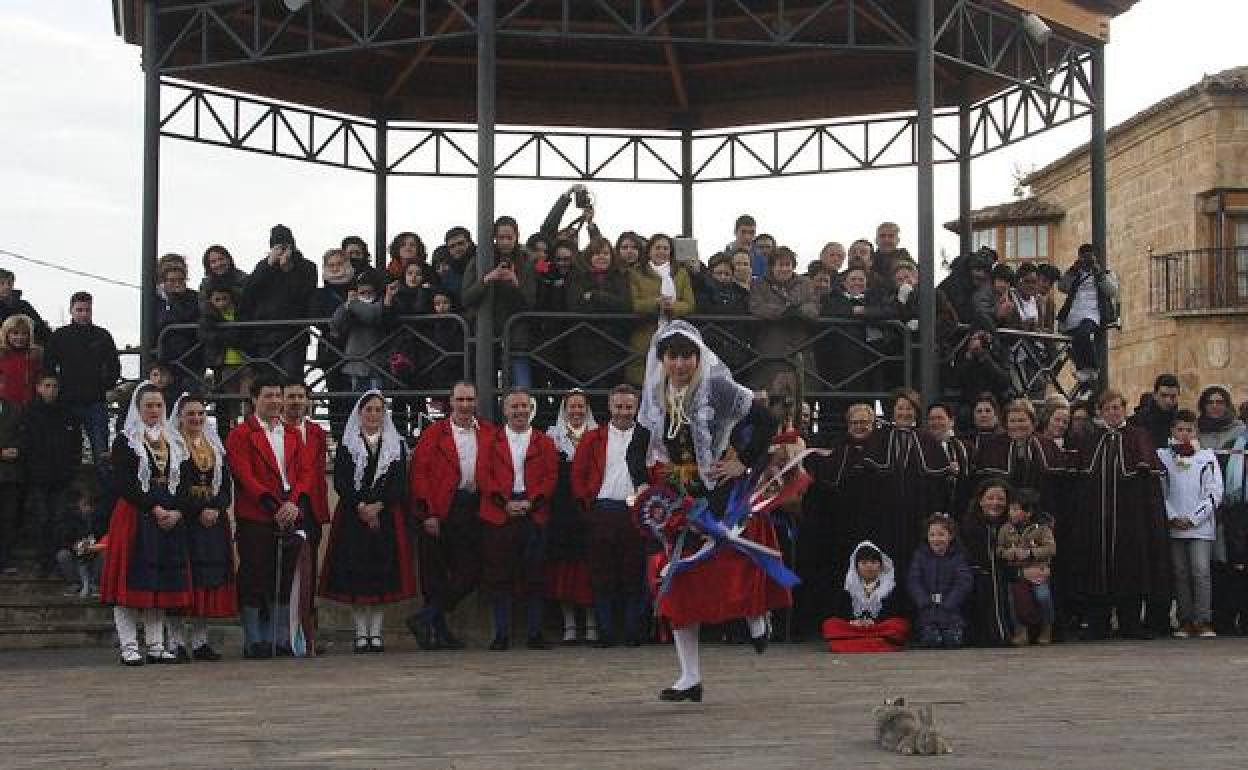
712,404
135,431
390,447
863,604
180,450
559,432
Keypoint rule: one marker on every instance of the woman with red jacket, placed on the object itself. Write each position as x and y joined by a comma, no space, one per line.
20,360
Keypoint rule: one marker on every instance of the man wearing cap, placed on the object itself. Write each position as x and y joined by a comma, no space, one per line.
280,289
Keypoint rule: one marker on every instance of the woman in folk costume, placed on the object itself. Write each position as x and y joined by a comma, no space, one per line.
866,618
204,493
706,431
914,478
146,570
567,571
368,559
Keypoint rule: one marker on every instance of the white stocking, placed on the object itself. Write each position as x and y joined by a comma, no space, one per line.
359,616
126,621
154,630
199,633
174,633
591,625
569,621
686,640
758,626
375,616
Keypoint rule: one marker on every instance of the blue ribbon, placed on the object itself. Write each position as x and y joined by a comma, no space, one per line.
720,532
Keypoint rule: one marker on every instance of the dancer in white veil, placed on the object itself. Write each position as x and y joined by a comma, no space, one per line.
368,561
204,494
706,431
146,570
567,571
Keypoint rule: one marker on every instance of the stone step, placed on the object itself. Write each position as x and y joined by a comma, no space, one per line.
34,611
50,635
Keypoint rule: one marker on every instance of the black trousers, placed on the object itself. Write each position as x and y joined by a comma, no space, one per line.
1083,344
450,564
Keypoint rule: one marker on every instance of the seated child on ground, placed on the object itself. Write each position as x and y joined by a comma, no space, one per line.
939,583
866,619
1025,543
77,554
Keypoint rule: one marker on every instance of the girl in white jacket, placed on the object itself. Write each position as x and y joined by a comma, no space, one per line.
1193,492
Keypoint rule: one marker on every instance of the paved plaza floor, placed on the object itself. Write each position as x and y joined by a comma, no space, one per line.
1166,704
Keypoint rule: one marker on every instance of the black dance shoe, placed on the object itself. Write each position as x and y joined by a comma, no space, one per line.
605,641
500,643
693,694
759,643
375,644
536,642
448,641
361,645
180,655
258,651
423,631
163,658
131,658
205,652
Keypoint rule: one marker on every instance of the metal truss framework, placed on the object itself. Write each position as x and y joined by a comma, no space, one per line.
215,117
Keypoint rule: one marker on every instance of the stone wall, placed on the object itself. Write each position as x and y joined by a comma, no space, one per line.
1158,170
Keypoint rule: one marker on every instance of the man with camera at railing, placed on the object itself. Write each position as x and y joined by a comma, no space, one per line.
280,288
1091,296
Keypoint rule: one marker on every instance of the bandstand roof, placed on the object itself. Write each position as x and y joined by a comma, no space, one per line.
625,64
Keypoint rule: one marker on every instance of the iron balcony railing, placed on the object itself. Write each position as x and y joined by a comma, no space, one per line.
834,361
1199,280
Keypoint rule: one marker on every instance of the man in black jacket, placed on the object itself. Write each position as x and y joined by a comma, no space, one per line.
280,289
11,303
52,449
85,357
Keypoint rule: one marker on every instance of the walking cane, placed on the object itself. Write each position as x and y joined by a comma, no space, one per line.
277,590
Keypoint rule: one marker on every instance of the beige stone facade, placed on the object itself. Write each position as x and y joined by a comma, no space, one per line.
1168,167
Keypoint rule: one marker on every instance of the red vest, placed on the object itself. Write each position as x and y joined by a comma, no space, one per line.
433,475
257,479
496,477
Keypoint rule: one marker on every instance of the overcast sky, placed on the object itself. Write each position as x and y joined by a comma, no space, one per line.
70,129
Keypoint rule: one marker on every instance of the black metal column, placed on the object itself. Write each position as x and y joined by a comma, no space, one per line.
686,183
924,100
151,182
380,194
966,239
1098,175
486,114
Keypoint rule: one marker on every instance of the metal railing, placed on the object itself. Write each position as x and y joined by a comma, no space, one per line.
1199,280
437,359
829,361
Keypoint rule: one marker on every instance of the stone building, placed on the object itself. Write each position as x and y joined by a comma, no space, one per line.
1178,234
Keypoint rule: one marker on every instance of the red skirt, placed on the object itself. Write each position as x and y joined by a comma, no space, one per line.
122,530
886,636
568,581
726,586
219,602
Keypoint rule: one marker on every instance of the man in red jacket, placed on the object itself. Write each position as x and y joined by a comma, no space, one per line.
272,497
313,454
519,470
609,468
442,484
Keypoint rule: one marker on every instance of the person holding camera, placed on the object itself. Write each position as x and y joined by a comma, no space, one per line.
550,229
509,287
280,289
1091,295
